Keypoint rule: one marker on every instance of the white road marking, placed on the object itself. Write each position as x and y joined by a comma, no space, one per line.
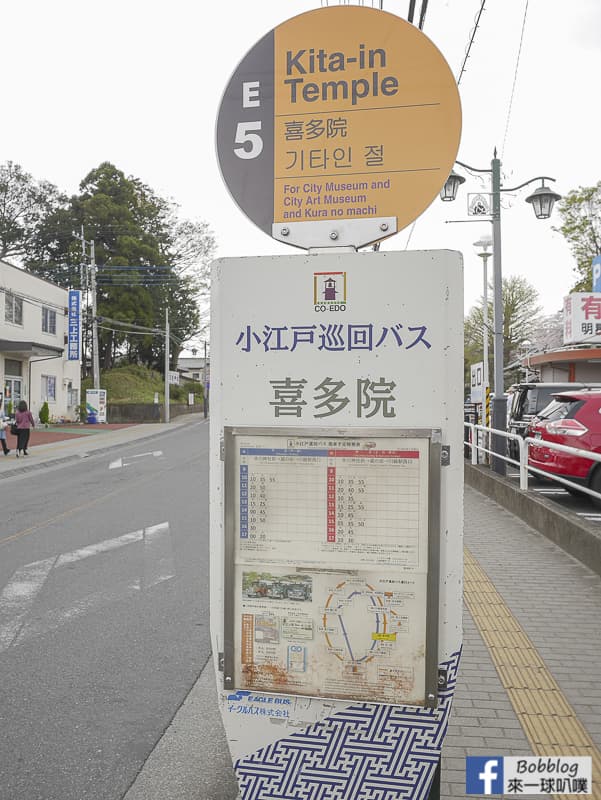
21,592
55,618
101,547
19,596
158,555
120,462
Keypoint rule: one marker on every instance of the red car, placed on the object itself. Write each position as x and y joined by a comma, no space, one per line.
572,419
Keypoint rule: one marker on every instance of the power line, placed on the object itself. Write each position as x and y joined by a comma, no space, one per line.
515,75
471,41
138,267
33,301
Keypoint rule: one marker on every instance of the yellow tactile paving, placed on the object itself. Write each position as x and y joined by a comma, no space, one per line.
549,721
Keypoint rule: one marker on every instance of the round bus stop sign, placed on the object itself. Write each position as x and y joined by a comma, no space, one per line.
339,127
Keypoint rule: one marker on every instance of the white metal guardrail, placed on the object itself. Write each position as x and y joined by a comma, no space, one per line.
478,440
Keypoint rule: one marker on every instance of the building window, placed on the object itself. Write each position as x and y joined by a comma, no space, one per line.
48,320
49,387
13,308
12,367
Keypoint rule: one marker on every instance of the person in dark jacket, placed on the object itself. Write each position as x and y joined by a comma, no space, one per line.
25,423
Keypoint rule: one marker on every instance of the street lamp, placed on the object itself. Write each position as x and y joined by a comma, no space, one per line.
542,201
482,246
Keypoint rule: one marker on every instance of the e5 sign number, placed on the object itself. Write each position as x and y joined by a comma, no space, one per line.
246,132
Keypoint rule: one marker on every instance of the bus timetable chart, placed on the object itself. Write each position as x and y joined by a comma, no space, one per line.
333,501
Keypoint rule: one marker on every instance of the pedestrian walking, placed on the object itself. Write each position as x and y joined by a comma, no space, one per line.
3,427
25,423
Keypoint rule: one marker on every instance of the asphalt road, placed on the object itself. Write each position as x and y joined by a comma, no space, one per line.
103,616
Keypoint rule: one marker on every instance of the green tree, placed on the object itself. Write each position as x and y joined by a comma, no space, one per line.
24,205
44,413
521,317
148,260
580,211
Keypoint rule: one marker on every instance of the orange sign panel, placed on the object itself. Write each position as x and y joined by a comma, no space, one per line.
367,117
345,112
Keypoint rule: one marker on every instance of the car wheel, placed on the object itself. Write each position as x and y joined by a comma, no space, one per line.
595,485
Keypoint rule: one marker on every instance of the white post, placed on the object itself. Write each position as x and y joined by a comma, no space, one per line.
204,384
167,418
485,320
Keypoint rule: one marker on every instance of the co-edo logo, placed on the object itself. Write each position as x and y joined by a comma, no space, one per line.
329,291
484,775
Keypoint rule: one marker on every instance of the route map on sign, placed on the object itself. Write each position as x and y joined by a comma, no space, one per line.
332,501
331,634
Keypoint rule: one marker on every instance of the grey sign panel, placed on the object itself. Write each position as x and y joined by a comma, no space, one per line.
245,134
332,563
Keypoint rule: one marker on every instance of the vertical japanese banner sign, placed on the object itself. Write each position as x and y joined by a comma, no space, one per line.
324,363
74,333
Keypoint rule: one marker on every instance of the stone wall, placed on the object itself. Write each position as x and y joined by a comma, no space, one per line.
147,412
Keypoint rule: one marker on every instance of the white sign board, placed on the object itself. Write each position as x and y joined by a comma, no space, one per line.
477,382
582,318
389,360
173,377
96,404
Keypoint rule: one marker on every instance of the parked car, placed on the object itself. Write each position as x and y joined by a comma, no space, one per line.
572,419
527,400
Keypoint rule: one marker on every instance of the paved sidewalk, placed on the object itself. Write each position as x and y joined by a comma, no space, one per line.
556,601
62,444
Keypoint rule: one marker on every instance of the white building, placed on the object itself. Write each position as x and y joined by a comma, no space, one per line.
192,368
33,344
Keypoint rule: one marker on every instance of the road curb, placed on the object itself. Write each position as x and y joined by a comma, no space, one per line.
191,761
33,465
575,536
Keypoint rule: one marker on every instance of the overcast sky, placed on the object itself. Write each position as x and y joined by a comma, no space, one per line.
139,83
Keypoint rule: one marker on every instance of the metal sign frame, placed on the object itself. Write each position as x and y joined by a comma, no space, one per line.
433,437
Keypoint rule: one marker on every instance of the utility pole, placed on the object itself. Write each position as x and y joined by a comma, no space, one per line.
167,418
499,405
204,384
95,353
92,284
